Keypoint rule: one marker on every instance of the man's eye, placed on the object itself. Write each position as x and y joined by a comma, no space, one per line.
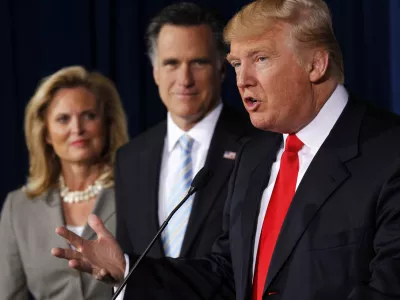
200,63
235,64
170,63
262,58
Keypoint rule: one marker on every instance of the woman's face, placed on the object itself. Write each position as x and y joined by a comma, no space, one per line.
75,126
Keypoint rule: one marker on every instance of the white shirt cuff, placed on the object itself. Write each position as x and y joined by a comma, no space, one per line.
122,294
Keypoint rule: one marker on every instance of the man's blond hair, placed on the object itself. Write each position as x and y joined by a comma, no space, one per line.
310,20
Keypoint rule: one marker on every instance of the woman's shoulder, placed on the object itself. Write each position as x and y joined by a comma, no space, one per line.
16,195
13,201
18,198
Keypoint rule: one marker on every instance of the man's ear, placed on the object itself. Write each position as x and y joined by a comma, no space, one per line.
319,65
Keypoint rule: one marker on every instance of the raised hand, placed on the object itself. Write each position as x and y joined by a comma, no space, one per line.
103,258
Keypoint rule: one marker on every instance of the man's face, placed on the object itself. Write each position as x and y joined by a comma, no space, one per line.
275,89
187,72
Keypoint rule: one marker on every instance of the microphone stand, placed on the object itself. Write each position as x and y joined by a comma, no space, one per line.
191,191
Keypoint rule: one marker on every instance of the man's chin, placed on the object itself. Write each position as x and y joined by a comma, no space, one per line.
258,121
187,118
262,123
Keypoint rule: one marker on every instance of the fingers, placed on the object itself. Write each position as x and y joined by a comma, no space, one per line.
67,254
106,277
81,265
97,225
75,258
72,238
102,275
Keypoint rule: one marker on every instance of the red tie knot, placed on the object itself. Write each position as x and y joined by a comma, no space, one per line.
293,144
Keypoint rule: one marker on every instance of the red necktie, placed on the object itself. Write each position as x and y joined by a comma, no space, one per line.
284,189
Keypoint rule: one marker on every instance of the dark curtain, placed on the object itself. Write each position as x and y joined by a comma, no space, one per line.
41,36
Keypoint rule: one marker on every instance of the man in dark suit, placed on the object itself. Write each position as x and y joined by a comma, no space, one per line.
187,52
313,208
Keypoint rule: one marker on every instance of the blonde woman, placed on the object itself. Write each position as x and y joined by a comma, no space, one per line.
73,126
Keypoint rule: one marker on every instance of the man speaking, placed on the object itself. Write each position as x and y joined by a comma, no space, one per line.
313,208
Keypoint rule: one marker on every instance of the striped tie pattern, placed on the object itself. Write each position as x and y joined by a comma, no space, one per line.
174,233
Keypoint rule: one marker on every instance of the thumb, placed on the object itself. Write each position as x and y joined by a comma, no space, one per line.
97,225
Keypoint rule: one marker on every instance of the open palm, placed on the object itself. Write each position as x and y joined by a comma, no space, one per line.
103,258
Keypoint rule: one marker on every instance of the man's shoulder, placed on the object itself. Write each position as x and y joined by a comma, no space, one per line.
377,124
379,118
152,137
380,133
368,130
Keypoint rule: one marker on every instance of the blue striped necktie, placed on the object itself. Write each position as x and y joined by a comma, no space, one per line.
174,233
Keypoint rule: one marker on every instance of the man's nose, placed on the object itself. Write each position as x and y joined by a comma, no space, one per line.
245,77
185,75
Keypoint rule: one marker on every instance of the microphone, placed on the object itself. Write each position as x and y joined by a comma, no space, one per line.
199,181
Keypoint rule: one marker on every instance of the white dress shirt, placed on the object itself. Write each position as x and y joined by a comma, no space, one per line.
202,134
312,136
78,230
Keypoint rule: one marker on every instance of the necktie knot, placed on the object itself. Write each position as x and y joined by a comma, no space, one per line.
186,143
293,144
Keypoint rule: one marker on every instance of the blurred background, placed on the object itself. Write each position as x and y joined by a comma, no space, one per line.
41,36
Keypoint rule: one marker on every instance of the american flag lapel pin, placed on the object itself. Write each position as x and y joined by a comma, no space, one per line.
230,155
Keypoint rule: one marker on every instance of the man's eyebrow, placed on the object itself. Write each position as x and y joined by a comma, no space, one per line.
251,52
268,49
169,60
230,57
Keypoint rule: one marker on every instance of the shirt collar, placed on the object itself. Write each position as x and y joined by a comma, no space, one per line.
200,132
315,133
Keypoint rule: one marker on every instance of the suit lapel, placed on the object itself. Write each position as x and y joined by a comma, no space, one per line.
149,179
257,182
55,218
226,137
104,209
325,174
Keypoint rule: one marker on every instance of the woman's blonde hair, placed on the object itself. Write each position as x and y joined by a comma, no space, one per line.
310,20
44,165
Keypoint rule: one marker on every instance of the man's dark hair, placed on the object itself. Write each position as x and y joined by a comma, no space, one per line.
185,14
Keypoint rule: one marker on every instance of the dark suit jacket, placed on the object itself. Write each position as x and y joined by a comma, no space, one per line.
137,186
341,235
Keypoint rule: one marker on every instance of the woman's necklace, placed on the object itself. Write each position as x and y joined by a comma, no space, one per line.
91,191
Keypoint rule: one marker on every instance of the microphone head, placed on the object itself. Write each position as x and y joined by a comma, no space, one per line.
201,179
